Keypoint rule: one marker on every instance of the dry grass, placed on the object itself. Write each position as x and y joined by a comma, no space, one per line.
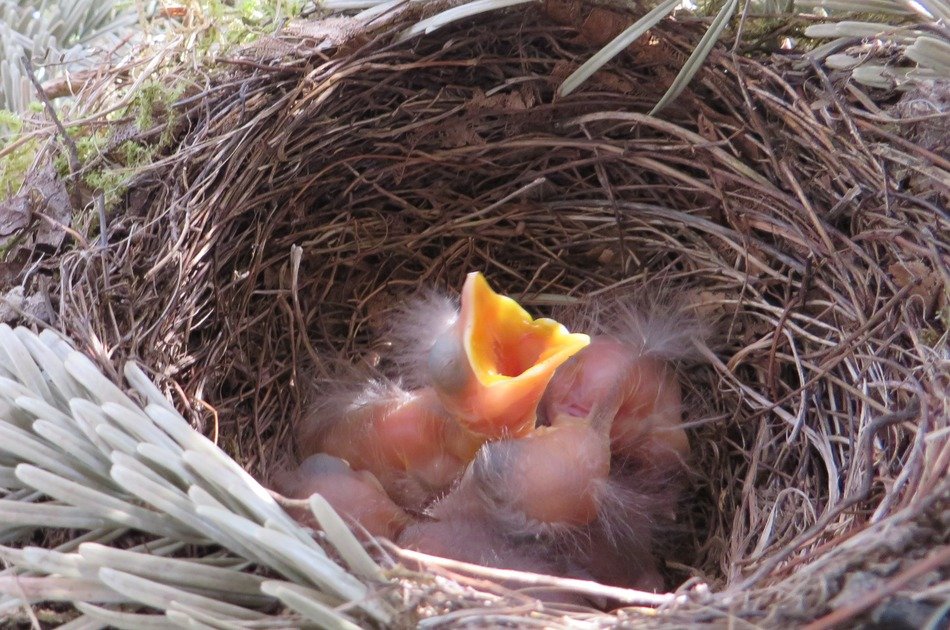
309,186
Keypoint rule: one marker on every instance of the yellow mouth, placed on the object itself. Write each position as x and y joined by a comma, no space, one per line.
512,356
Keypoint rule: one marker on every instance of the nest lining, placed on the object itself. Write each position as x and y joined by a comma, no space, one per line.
308,190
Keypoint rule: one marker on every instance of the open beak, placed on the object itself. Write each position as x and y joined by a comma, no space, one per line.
506,359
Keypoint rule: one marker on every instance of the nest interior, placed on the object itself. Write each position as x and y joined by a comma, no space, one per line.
323,173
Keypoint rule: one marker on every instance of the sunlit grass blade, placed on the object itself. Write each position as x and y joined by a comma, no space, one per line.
187,573
456,13
307,603
861,30
858,6
103,504
20,513
698,57
616,46
931,52
58,589
125,620
340,536
160,596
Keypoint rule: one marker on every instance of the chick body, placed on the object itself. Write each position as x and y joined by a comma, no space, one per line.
406,439
554,475
356,495
636,395
517,490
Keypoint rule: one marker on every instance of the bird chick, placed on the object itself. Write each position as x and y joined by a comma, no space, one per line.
518,489
491,365
555,475
620,547
356,495
488,366
640,395
406,439
548,503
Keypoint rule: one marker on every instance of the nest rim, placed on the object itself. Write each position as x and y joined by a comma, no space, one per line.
770,244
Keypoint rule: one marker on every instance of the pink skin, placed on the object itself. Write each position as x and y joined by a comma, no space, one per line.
355,495
638,396
535,499
549,481
554,475
533,504
543,504
409,443
464,528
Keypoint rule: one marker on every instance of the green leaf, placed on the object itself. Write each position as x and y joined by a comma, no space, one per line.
454,14
613,48
698,56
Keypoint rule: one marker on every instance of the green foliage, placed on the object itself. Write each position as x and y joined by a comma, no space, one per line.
55,34
111,172
879,43
14,165
154,105
226,23
10,122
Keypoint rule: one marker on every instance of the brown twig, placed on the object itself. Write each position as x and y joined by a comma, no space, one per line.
320,188
72,152
939,559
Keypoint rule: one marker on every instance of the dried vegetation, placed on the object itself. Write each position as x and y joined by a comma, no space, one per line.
305,183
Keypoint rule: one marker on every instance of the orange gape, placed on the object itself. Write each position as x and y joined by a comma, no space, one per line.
492,366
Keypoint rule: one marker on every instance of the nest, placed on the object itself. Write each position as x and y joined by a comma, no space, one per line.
321,174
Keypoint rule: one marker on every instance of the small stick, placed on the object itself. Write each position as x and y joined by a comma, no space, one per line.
70,145
936,560
625,595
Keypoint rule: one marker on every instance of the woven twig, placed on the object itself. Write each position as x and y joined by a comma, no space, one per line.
310,184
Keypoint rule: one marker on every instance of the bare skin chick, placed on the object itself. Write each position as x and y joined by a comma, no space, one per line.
355,495
640,394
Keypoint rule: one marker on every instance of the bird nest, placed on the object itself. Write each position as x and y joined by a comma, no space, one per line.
303,185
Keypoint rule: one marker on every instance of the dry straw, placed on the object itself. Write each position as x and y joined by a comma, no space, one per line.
317,176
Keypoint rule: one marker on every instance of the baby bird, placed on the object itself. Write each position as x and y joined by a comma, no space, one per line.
525,446
504,510
547,503
488,366
407,440
641,393
355,495
554,476
490,361
625,377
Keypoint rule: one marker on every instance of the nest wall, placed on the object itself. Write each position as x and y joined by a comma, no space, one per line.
323,173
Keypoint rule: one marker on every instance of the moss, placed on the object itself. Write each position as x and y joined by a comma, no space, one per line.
143,105
231,22
112,182
14,166
769,22
264,12
154,105
91,146
10,122
136,153
243,21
